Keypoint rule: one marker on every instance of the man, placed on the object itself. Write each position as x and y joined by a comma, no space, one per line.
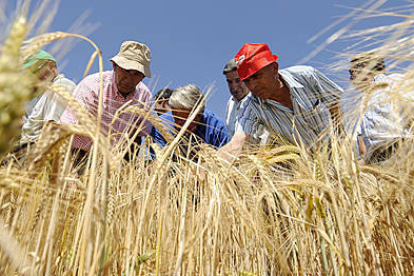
239,101
294,104
161,101
386,120
205,128
240,95
122,87
49,106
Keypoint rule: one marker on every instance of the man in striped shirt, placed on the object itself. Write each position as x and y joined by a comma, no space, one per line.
122,87
239,101
296,105
240,95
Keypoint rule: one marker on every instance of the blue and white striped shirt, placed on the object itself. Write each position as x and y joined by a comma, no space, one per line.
234,109
311,92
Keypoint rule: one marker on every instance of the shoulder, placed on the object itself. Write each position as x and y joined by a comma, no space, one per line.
94,78
211,119
65,82
388,78
92,81
248,98
299,70
167,116
142,92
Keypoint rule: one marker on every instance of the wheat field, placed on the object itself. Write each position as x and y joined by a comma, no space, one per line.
272,211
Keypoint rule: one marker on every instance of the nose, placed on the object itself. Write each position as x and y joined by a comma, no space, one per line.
351,74
233,86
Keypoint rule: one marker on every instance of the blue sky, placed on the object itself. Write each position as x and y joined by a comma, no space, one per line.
191,41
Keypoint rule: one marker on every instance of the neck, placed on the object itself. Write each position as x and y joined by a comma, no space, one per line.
124,95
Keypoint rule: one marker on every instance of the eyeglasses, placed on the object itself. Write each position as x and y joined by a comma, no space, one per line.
358,65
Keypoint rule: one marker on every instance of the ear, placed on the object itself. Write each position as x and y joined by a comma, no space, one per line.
276,67
164,104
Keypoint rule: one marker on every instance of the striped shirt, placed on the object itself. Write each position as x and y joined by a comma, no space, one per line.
387,116
311,92
87,93
234,109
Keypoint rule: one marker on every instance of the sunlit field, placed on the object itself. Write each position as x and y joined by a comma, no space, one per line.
275,210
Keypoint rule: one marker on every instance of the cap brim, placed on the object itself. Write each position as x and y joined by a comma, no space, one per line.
128,64
256,66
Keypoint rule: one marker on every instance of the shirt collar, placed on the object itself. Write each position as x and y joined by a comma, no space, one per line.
242,100
58,77
290,81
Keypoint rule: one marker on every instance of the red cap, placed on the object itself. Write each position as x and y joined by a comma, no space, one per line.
252,57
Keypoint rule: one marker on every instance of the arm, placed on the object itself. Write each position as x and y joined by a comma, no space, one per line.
233,148
336,116
330,94
361,147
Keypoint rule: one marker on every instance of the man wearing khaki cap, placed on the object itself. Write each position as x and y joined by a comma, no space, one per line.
122,87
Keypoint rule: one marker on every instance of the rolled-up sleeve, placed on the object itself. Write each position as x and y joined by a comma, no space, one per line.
330,92
247,122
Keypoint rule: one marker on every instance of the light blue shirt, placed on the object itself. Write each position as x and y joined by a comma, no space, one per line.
311,92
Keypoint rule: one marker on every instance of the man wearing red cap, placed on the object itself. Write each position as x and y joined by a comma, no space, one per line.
296,105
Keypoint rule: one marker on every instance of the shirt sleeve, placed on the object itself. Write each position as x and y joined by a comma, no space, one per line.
221,134
330,92
86,95
158,138
247,122
146,102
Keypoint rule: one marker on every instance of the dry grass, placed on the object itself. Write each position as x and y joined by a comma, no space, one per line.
273,211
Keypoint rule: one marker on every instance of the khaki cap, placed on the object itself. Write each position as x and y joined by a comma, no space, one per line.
134,56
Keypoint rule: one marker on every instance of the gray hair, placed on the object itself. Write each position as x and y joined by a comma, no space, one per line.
186,98
230,67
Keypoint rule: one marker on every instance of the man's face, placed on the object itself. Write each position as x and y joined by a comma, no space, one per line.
127,80
180,117
161,106
237,88
264,82
360,75
44,70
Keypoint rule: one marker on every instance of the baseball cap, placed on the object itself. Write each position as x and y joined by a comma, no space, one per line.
134,56
252,57
40,55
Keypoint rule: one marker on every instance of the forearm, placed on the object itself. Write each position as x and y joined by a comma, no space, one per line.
234,147
337,119
362,149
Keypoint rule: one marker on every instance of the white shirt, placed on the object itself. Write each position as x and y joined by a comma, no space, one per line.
234,110
49,107
387,115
